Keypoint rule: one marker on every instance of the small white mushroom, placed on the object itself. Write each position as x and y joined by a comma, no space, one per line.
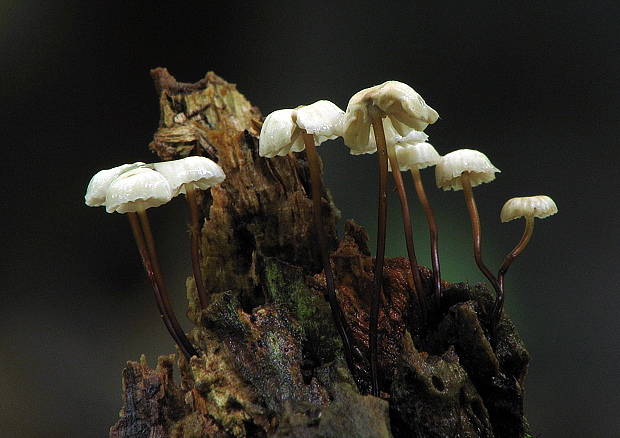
323,119
418,154
406,111
540,206
137,190
199,172
100,183
185,176
395,100
529,207
281,132
461,170
133,192
451,168
369,144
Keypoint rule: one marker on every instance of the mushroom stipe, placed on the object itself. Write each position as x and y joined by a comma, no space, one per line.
317,207
192,202
433,231
377,126
146,247
413,263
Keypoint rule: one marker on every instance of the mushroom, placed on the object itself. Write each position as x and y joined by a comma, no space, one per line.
406,111
185,176
282,130
100,183
462,170
133,192
529,207
413,154
302,128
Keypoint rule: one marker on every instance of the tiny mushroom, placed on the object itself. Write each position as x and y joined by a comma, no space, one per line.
406,111
185,176
529,207
282,130
133,192
137,190
100,183
461,170
190,173
464,167
413,154
302,128
397,101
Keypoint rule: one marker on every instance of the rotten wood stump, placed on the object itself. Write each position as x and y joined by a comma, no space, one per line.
271,362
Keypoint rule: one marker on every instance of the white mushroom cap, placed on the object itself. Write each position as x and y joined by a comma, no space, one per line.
137,189
399,102
100,182
281,131
413,150
367,143
201,171
323,119
539,206
451,166
280,134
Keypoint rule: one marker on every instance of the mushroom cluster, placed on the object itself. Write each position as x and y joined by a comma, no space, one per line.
389,119
134,188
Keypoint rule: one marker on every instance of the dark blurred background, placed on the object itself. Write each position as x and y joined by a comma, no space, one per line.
534,85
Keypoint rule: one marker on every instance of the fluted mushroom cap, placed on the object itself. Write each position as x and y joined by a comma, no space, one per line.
399,102
281,131
280,134
415,153
323,119
100,182
539,206
367,143
137,189
201,171
451,166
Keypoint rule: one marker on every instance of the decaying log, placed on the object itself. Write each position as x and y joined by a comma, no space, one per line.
271,362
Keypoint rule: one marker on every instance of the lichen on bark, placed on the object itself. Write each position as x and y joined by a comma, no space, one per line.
271,361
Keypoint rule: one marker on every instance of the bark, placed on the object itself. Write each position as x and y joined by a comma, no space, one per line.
271,362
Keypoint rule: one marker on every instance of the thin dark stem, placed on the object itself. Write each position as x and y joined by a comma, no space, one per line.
499,301
432,227
413,263
476,230
377,125
149,261
190,195
317,204
150,245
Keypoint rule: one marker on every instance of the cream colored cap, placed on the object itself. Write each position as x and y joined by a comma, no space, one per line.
399,102
137,189
539,206
323,119
281,131
201,171
412,149
280,134
100,182
451,166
